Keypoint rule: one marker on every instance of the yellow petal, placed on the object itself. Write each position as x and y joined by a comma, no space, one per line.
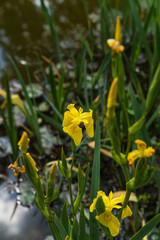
24,143
117,200
120,48
114,226
74,132
67,237
99,194
67,120
73,110
16,100
118,29
126,212
132,156
110,195
141,145
92,207
148,152
90,128
111,42
109,220
3,93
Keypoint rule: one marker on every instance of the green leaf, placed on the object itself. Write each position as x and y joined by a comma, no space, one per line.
104,66
75,230
52,121
52,28
32,115
60,227
80,179
81,188
153,91
147,228
95,184
64,170
52,83
65,218
141,30
82,235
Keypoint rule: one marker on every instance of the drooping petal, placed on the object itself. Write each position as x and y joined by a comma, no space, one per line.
104,218
109,220
126,212
74,132
132,156
114,226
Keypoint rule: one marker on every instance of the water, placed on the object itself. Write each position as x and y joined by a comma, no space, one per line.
24,32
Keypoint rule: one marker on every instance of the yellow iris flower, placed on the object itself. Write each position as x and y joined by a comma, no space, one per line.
17,168
141,152
106,218
72,120
114,44
24,142
67,237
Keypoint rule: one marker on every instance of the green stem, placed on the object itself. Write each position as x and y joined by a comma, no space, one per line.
70,180
124,168
54,231
128,193
71,196
128,144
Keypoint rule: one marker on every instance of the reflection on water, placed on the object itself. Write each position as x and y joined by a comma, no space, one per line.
23,30
26,223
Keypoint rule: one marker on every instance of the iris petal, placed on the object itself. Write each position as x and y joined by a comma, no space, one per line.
75,132
126,212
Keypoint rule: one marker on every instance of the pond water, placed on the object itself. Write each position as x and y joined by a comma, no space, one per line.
24,32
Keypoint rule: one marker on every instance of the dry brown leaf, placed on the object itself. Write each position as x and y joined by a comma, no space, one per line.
143,223
102,150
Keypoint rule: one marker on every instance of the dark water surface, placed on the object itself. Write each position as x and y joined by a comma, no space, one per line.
24,32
